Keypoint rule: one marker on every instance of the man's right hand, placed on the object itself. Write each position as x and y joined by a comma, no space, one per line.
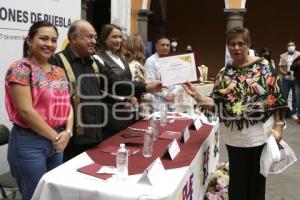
169,97
282,70
154,86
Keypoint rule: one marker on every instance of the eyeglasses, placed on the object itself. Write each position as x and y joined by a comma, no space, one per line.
89,36
238,45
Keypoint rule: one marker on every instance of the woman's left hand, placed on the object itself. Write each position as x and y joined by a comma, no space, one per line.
62,142
277,133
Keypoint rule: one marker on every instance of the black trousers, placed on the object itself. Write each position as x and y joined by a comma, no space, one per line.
245,181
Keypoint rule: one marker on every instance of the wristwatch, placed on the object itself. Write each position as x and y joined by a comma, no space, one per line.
70,132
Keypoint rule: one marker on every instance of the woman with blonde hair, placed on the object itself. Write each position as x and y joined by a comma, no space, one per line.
134,52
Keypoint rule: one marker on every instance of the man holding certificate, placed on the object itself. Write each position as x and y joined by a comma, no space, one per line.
152,69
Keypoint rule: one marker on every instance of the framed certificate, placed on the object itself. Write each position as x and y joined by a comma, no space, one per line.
177,69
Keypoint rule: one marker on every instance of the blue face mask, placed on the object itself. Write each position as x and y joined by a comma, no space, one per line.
291,49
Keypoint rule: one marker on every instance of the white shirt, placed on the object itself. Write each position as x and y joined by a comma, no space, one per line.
115,58
152,68
152,72
289,62
254,135
120,64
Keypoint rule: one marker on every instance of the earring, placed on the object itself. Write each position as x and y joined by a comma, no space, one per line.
29,51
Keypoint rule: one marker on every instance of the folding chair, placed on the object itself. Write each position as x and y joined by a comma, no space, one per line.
7,181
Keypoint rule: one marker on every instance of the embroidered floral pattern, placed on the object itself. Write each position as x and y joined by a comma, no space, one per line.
238,108
247,91
271,100
23,72
49,92
137,71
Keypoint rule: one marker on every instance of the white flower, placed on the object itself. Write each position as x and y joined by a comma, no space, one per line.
217,174
218,185
226,167
211,196
223,181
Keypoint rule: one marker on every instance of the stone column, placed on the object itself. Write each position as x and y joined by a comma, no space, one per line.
235,17
84,7
143,23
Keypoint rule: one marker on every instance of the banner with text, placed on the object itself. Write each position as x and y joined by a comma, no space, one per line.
15,19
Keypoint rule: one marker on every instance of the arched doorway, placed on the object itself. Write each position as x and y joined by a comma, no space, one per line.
98,13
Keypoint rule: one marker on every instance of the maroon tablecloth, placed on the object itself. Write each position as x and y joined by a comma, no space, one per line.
92,169
138,163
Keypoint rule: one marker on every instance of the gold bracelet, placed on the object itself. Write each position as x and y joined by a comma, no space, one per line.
275,133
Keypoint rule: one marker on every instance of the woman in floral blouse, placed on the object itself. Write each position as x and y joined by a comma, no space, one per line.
134,53
38,103
250,102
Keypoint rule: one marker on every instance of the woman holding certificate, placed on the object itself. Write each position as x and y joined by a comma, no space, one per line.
248,97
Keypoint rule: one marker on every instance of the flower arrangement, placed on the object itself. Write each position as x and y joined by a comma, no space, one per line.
217,188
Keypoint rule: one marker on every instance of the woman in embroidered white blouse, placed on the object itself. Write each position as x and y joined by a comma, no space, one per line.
134,52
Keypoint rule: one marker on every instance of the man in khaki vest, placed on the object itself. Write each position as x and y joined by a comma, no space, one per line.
88,79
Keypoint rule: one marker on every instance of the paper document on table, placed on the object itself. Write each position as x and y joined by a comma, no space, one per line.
177,69
107,170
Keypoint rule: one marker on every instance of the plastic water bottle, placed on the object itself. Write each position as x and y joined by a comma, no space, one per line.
148,143
163,115
154,124
122,162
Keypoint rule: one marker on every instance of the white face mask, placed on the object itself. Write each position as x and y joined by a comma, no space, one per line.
291,49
